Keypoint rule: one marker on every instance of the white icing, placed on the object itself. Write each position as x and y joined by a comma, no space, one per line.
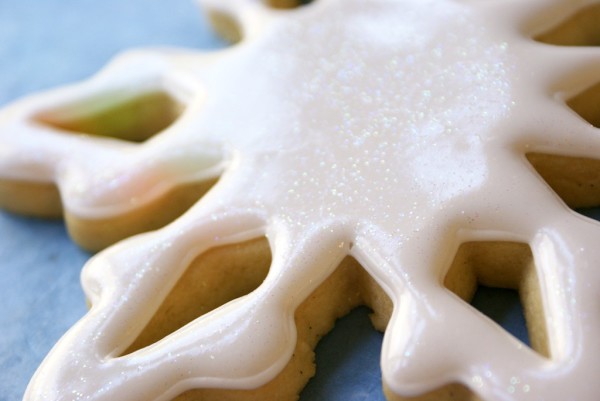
397,126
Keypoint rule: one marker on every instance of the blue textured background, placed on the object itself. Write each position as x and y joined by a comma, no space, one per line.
46,43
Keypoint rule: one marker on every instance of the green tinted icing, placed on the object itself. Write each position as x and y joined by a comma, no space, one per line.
132,119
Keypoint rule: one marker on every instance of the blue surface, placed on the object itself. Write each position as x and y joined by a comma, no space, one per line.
348,362
47,43
41,296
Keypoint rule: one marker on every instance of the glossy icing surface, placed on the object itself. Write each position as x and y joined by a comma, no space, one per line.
396,138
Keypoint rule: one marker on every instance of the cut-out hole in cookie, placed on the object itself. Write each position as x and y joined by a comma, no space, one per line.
229,28
592,213
503,306
505,265
587,104
352,339
580,29
122,116
214,278
575,179
286,4
225,26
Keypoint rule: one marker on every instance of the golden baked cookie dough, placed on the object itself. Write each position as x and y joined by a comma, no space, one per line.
397,169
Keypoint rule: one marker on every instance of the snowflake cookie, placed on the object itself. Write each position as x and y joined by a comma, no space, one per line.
392,153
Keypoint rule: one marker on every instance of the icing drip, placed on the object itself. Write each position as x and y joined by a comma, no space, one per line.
400,127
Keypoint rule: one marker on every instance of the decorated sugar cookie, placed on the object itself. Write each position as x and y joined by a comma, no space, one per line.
387,153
